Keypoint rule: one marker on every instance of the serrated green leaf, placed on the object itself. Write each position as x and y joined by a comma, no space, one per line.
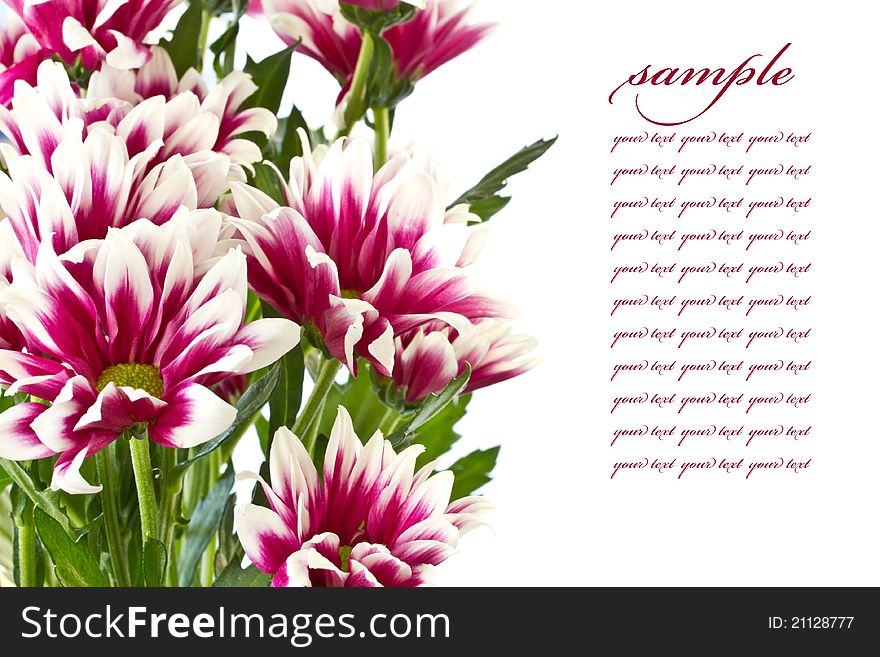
429,408
483,194
489,207
74,563
154,560
270,76
439,435
183,46
203,526
473,471
250,577
251,403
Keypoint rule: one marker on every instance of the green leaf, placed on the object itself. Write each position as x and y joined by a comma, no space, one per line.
220,7
153,563
266,179
384,87
74,563
291,145
44,500
472,471
377,22
183,46
439,435
95,524
429,408
483,197
203,526
262,427
228,545
251,403
223,50
270,76
250,577
285,402
286,399
489,207
360,399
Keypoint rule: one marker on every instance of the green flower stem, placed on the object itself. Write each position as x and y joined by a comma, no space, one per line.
110,509
171,488
27,539
203,37
389,421
23,481
206,568
146,490
356,98
311,438
311,412
382,128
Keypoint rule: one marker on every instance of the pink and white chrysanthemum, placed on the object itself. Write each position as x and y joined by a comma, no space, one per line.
223,100
10,336
369,521
90,186
94,30
129,332
437,34
359,259
427,360
20,55
202,133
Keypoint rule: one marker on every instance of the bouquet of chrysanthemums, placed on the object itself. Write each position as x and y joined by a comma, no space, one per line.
187,265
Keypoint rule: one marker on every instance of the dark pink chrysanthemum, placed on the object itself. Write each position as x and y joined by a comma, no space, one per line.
436,35
427,360
131,332
94,30
358,258
371,520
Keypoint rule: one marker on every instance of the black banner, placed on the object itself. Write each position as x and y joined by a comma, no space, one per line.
573,621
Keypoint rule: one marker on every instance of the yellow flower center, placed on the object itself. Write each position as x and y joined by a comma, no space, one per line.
344,555
349,294
134,375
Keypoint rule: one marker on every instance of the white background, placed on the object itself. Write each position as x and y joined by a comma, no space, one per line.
549,70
